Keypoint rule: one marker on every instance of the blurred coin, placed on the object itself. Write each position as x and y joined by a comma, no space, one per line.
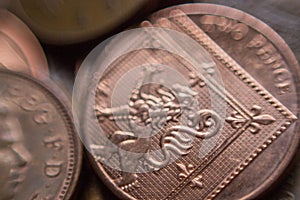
69,21
203,154
40,155
19,49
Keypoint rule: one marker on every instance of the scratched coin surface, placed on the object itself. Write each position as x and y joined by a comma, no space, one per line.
69,21
19,49
40,155
205,153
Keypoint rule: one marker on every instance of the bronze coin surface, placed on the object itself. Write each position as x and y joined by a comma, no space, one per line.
69,21
20,50
204,155
40,155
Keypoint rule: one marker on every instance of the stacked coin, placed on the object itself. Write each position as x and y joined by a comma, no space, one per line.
40,152
67,22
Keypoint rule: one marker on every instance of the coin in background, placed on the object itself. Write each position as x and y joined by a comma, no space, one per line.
69,21
40,155
19,48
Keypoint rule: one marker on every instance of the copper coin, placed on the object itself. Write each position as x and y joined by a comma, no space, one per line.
169,140
67,22
20,50
40,155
